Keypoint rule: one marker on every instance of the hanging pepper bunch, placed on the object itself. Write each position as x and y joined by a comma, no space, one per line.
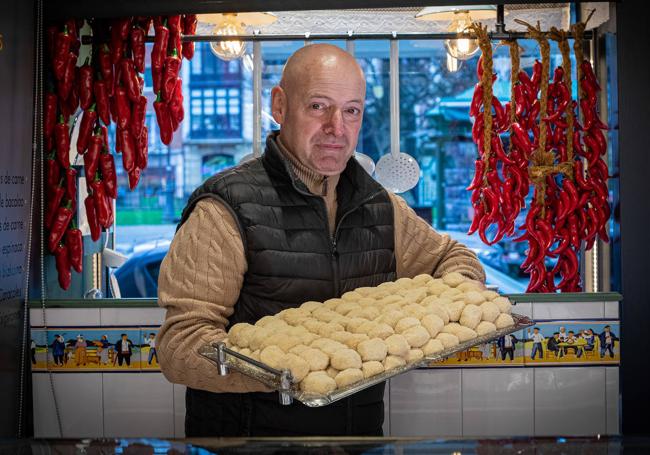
166,60
569,203
491,196
592,173
65,93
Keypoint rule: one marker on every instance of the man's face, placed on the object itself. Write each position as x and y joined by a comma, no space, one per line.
321,116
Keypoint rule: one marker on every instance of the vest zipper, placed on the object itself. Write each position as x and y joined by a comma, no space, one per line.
335,254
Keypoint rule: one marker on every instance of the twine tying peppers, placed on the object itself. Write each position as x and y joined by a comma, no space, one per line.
514,79
486,82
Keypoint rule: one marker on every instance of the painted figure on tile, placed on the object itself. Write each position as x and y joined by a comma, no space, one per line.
58,350
563,335
553,345
537,339
590,339
103,346
32,350
506,346
124,349
607,340
572,344
151,341
80,351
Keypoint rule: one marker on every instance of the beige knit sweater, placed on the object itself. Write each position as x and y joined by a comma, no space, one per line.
201,276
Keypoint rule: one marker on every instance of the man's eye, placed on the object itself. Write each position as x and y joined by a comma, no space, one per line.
354,111
316,106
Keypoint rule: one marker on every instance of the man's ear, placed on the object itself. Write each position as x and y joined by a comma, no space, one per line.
278,104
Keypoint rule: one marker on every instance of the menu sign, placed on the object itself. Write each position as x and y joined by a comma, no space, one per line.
16,120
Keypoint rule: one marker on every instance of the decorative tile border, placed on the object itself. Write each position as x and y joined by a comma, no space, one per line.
74,349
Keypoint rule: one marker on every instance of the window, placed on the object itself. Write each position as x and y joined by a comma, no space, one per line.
215,96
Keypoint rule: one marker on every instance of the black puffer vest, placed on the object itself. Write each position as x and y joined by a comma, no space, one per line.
291,255
293,258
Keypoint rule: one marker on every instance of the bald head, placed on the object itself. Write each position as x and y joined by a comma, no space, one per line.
319,106
315,59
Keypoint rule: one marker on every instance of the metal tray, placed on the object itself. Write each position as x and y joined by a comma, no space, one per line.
281,381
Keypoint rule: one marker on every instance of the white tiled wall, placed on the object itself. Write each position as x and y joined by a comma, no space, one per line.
498,402
426,402
79,399
138,405
65,317
570,401
568,311
132,316
612,387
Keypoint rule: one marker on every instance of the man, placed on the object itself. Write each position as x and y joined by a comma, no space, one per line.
58,350
507,346
553,345
151,341
607,340
572,342
124,350
303,222
538,339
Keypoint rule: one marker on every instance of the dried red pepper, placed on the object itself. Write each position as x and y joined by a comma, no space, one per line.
158,54
129,79
101,98
62,139
138,48
91,158
189,22
88,122
102,203
119,34
53,171
138,116
91,215
67,78
164,120
109,176
128,149
134,178
142,149
55,196
86,81
59,224
123,107
170,75
175,105
62,266
106,67
71,185
74,243
51,104
61,52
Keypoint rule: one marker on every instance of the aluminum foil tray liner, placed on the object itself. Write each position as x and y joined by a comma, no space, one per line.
274,378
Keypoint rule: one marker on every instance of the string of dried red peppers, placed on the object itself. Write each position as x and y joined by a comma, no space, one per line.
107,87
569,204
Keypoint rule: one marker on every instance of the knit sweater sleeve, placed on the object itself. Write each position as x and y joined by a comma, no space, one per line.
420,249
198,285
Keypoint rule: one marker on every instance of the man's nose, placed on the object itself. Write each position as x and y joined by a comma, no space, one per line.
334,124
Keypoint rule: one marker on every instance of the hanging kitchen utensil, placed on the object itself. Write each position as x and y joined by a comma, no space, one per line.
367,163
396,171
257,103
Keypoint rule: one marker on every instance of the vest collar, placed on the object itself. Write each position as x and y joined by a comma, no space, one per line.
354,186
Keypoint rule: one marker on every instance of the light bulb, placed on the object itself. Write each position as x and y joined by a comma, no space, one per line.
230,49
462,48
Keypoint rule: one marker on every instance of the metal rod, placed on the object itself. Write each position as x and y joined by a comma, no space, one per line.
257,99
495,36
500,25
394,97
